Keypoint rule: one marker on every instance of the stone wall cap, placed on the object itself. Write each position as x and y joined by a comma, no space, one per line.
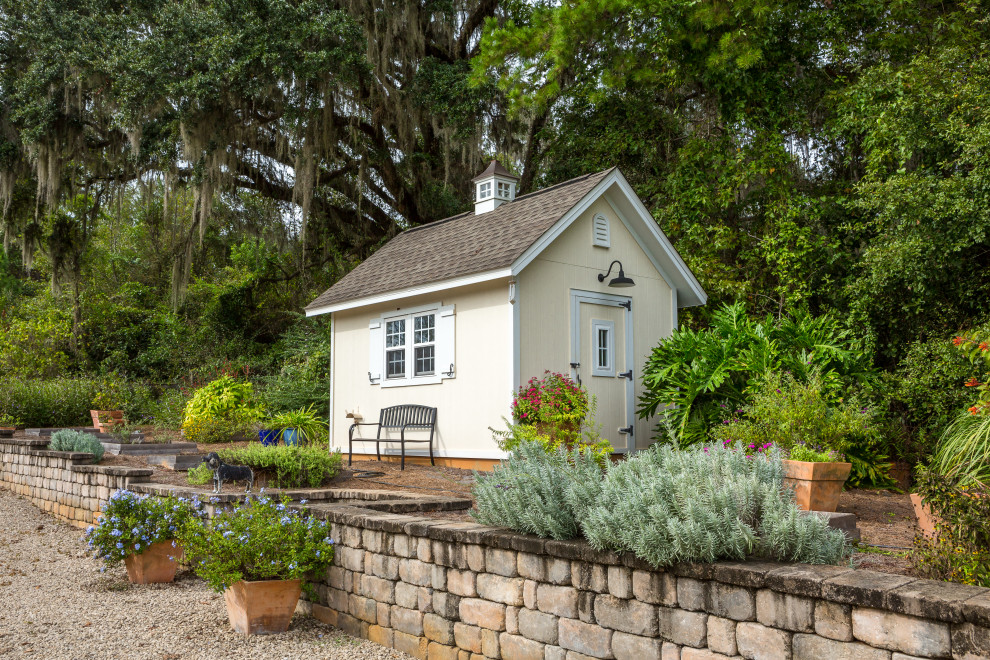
25,442
113,470
803,579
931,599
744,573
977,610
863,588
67,455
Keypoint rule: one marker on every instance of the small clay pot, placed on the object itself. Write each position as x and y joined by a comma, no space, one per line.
817,486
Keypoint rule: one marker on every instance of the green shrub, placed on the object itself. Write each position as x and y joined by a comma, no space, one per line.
48,403
960,549
786,413
71,440
802,452
288,467
220,410
692,374
199,475
666,506
261,540
963,452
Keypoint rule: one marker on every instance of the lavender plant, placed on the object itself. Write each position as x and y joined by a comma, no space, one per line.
72,440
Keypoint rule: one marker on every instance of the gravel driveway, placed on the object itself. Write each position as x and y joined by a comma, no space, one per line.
55,603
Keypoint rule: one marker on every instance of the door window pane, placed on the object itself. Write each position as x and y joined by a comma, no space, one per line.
602,349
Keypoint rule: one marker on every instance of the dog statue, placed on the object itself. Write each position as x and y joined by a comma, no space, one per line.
223,472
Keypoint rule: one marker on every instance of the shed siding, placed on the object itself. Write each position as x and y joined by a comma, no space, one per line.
479,395
573,262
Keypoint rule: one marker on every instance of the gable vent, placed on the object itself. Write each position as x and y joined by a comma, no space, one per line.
601,236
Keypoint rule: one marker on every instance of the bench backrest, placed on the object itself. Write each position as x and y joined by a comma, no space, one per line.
411,416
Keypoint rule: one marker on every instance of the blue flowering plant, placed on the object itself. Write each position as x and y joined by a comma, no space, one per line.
262,539
130,523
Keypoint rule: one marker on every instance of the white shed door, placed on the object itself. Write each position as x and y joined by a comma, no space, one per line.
602,358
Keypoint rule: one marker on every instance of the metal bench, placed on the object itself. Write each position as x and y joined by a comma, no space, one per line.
397,417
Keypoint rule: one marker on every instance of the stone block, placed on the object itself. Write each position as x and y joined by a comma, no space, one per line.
371,540
533,567
899,632
730,602
722,635
435,651
620,581
350,558
777,610
683,627
501,562
416,572
562,601
400,545
438,577
514,647
352,626
415,646
688,653
476,558
407,595
862,588
554,653
813,647
833,620
362,608
489,643
691,594
501,589
669,651
351,537
589,577
538,625
483,613
462,583
446,604
931,599
384,615
558,571
654,588
377,588
634,647
512,620
424,549
382,566
585,638
970,642
586,606
380,635
628,616
755,641
529,594
438,629
467,637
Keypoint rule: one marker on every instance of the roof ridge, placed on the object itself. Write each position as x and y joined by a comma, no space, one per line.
529,194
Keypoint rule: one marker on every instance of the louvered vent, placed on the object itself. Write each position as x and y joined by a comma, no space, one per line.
601,236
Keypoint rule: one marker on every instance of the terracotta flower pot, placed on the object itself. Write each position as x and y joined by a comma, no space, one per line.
7,432
926,519
817,486
156,564
263,607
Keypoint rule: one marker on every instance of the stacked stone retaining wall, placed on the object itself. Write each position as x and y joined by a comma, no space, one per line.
459,591
65,484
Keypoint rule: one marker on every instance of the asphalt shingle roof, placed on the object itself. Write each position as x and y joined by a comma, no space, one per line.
461,245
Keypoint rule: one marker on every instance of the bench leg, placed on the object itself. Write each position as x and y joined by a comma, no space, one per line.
378,450
402,445
350,452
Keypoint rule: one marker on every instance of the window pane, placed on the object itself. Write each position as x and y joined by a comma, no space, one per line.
486,190
424,329
395,333
603,348
395,364
424,360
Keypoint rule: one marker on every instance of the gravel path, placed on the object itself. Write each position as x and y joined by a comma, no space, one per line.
55,603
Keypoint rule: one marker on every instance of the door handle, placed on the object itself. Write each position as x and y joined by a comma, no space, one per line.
575,366
626,374
627,430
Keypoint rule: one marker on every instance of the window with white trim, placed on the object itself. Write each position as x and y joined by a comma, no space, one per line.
504,190
412,347
485,190
602,348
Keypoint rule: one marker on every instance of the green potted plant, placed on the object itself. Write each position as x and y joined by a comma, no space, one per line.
108,403
816,475
8,424
141,531
297,426
259,556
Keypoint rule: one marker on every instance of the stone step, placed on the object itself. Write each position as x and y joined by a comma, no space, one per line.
845,522
178,462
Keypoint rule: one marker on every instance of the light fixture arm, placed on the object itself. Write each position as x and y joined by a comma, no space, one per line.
601,277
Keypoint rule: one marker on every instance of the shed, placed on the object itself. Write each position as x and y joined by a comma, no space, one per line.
456,314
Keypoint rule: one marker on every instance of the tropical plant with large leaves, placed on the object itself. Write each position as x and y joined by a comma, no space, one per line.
696,378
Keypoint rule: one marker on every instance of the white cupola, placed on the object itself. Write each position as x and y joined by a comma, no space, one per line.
493,187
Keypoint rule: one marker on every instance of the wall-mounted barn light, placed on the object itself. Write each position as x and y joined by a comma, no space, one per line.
620,281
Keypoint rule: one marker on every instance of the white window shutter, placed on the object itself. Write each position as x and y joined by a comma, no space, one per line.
445,342
376,351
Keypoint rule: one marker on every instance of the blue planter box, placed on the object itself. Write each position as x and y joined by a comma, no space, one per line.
290,436
268,438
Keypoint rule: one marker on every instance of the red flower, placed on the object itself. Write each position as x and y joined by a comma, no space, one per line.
983,346
956,341
972,382
973,410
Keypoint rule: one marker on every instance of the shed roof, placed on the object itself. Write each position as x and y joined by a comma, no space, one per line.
461,245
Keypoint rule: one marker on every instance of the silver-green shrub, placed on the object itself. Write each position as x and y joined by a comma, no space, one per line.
72,440
528,491
664,505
